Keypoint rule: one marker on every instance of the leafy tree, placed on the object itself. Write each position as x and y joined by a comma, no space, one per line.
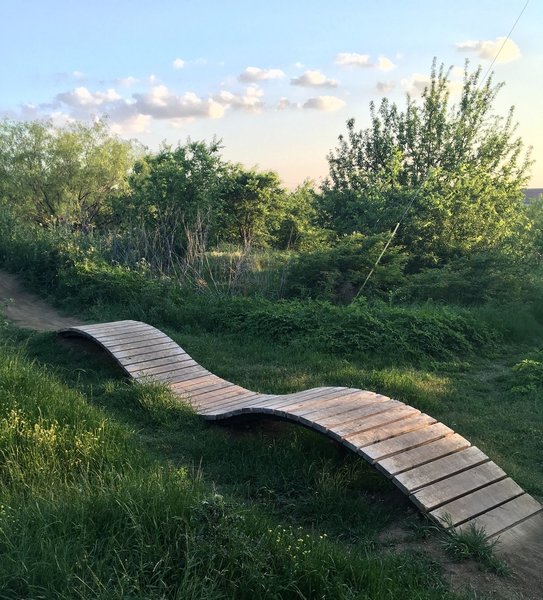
298,229
177,191
460,167
66,174
253,206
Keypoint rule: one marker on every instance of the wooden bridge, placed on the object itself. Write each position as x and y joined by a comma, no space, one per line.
445,476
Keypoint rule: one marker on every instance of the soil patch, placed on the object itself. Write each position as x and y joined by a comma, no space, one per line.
27,310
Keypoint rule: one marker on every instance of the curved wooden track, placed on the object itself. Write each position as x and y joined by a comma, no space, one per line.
441,472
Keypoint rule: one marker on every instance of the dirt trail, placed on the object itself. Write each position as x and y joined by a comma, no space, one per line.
24,309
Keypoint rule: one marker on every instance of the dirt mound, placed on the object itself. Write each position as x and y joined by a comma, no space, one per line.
24,309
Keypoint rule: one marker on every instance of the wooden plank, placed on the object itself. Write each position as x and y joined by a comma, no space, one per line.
211,379
105,328
412,480
137,353
422,454
111,324
240,396
144,342
165,376
220,396
334,405
118,342
241,407
197,389
472,505
157,362
317,404
403,442
368,430
181,375
142,359
504,516
316,393
352,409
182,387
114,336
433,496
163,368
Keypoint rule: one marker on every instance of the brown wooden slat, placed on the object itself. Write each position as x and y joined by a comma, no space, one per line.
164,368
472,505
352,410
505,516
355,430
316,393
315,404
113,336
118,343
197,389
144,342
183,375
134,368
410,481
433,496
138,359
421,454
137,353
97,331
404,442
333,405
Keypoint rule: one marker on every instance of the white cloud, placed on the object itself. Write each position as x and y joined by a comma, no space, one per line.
152,79
160,103
254,74
178,63
130,124
385,87
325,103
82,97
78,74
250,101
313,79
489,49
299,65
352,59
128,81
385,64
285,104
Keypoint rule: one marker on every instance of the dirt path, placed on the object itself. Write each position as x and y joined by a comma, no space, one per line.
24,309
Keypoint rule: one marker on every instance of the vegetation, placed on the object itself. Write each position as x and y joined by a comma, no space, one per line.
111,491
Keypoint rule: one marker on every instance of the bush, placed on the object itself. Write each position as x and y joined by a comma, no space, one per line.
336,274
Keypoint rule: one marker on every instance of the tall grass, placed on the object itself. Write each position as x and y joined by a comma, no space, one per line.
87,513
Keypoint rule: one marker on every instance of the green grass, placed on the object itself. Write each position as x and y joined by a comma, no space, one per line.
112,490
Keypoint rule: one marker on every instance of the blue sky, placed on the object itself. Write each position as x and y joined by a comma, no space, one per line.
275,81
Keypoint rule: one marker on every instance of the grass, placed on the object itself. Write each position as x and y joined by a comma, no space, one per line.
111,491
115,491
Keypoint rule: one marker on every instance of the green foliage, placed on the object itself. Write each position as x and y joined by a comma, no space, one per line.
298,229
176,192
472,543
67,175
253,206
526,378
461,165
337,273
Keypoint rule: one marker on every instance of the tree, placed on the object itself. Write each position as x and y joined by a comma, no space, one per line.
253,206
460,168
177,192
62,174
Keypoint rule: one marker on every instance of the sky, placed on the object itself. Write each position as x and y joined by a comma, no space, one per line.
276,81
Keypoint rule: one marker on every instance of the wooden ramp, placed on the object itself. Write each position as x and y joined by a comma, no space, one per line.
441,472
